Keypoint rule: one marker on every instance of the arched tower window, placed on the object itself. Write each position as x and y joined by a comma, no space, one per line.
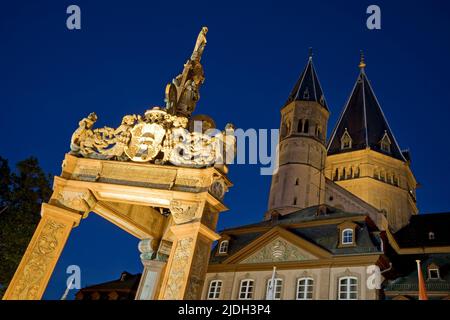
306,94
296,181
350,173
336,175
346,140
376,174
356,173
385,143
318,131
283,130
306,126
343,174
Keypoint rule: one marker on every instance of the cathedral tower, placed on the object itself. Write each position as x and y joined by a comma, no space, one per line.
300,181
365,158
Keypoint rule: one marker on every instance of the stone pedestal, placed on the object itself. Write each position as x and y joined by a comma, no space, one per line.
188,261
34,271
151,280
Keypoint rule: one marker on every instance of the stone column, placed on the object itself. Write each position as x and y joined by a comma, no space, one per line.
188,262
37,264
153,269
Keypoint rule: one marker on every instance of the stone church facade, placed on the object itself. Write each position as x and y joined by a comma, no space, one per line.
337,207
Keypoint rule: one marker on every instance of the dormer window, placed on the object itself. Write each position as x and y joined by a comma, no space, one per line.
306,94
385,143
223,247
322,100
346,140
433,272
347,236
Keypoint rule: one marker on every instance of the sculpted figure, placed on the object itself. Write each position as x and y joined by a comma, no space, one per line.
199,45
83,132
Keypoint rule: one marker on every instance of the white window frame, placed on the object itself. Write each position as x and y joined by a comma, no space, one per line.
343,240
215,287
304,289
347,286
437,271
278,288
223,247
246,288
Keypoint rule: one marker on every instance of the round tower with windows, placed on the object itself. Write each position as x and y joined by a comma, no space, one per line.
299,181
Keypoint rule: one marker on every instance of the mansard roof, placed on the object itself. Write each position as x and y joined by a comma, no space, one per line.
325,236
365,122
307,87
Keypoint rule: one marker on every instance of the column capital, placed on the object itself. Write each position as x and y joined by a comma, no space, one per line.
189,229
48,210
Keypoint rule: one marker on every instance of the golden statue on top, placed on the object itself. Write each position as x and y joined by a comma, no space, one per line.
182,94
161,135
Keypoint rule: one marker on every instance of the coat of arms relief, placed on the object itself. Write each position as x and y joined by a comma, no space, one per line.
163,134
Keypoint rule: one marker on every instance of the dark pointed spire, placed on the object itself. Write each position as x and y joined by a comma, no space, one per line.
307,87
364,121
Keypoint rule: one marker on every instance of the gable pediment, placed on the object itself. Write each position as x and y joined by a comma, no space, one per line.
278,245
279,250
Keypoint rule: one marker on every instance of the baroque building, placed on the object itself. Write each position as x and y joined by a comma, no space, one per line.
337,209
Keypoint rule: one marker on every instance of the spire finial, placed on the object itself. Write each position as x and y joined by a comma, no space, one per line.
362,63
310,53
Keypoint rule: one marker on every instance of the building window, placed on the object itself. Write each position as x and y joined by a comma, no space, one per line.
395,180
350,173
343,174
348,288
385,143
296,181
433,272
246,289
318,131
306,94
356,174
346,140
276,291
376,174
303,126
431,235
336,175
223,248
295,201
214,289
306,126
305,288
347,236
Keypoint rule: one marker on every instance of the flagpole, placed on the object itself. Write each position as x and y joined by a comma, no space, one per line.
421,283
66,292
271,295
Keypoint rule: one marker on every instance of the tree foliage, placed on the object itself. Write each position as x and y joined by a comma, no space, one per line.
22,192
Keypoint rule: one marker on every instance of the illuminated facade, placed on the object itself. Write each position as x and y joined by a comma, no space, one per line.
335,210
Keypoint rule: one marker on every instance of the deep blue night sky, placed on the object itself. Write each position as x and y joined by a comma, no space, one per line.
126,51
